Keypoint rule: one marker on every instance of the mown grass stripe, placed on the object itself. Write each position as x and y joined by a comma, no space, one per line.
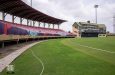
95,48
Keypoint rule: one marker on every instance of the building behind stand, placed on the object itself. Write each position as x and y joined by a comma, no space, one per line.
87,29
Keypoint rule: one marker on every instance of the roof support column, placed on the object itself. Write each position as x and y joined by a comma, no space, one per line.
39,24
27,22
34,23
13,18
58,26
21,20
53,26
48,25
44,24
3,16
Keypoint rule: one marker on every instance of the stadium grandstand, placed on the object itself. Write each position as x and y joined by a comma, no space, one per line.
87,29
12,31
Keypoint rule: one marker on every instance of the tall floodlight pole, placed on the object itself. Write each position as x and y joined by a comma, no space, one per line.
31,6
31,3
114,24
96,6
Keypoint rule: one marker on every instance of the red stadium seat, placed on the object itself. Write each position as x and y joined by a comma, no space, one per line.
18,29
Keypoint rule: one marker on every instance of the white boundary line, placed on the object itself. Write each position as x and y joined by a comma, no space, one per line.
39,59
40,62
11,57
96,48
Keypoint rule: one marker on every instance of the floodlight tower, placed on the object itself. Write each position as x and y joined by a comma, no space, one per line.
114,24
96,6
31,6
31,3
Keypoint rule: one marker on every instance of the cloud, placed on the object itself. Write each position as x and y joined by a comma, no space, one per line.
77,10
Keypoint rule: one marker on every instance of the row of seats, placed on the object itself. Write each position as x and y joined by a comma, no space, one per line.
18,29
1,28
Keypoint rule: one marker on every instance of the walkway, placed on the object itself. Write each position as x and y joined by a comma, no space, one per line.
8,59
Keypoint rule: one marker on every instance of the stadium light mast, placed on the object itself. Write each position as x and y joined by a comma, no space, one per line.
96,6
31,6
114,24
31,3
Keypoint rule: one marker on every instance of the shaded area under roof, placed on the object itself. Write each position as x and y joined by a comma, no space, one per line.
21,9
85,23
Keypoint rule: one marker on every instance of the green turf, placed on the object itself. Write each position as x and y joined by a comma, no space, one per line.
65,57
107,44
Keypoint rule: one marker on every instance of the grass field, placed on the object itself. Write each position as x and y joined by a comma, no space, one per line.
85,56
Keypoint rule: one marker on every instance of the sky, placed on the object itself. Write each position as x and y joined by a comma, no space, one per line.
77,11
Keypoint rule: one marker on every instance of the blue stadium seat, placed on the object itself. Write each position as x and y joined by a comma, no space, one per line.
28,30
17,31
1,28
